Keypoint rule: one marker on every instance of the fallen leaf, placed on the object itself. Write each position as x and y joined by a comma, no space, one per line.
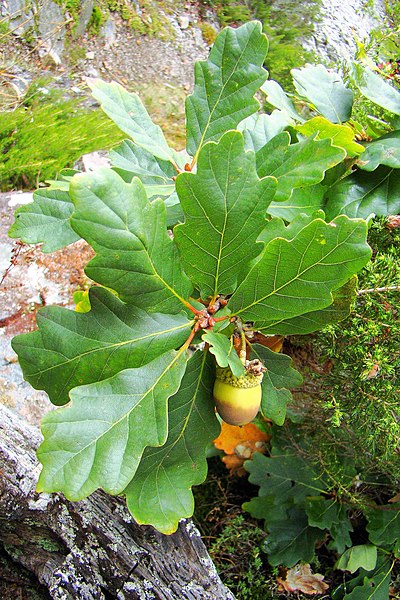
393,221
239,444
301,579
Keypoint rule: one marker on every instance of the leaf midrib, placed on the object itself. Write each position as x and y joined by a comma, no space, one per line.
299,274
109,346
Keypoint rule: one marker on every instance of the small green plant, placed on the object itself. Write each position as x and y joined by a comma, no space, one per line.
33,138
250,254
209,33
97,20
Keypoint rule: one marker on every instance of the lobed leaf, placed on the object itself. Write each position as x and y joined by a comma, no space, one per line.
70,349
294,277
277,381
46,220
291,540
296,165
134,254
278,98
131,160
224,205
325,90
363,556
341,135
224,351
383,151
160,492
305,200
343,300
375,88
258,129
97,441
384,524
225,84
375,586
362,193
129,114
285,476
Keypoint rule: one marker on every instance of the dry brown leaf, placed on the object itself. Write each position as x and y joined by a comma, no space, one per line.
239,444
301,579
393,221
395,498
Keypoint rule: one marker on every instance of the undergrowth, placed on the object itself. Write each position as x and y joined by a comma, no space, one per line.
345,420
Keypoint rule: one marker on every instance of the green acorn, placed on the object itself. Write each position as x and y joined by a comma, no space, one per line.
238,399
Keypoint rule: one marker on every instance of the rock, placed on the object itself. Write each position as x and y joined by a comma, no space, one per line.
341,24
90,55
20,14
84,17
91,72
109,32
184,21
19,198
51,29
93,161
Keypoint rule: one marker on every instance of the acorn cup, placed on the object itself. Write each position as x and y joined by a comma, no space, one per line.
238,399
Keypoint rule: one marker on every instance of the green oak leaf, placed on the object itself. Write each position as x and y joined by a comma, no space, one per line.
277,97
296,165
160,492
341,307
70,349
303,200
291,540
375,88
340,532
225,84
322,512
258,129
363,556
373,586
325,90
130,160
383,151
383,524
362,193
277,381
341,135
129,114
224,205
224,352
286,476
134,254
276,227
46,219
293,277
97,441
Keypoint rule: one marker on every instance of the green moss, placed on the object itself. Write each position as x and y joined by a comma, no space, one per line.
50,545
209,33
97,20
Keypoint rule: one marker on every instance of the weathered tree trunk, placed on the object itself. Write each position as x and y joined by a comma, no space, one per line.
91,549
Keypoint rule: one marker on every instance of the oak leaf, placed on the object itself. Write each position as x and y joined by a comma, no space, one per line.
301,579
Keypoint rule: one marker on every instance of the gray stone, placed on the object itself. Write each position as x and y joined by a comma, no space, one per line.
84,17
21,15
109,32
51,28
184,21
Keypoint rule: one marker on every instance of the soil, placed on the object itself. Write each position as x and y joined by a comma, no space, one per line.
30,280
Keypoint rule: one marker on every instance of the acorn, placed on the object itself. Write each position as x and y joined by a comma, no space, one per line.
238,399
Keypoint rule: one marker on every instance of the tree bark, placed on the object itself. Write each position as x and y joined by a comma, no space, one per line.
92,549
